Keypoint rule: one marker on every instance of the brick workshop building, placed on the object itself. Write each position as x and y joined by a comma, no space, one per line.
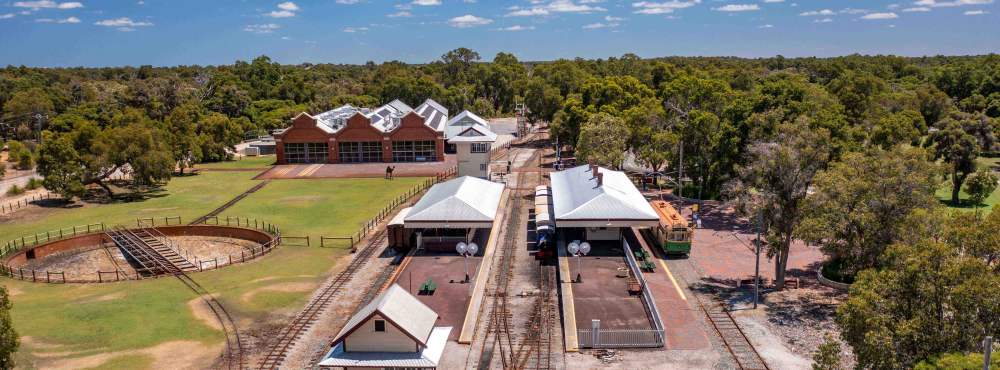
391,133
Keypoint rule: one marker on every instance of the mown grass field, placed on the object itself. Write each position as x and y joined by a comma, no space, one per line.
242,163
119,325
944,192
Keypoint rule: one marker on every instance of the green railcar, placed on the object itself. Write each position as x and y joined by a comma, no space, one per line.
674,233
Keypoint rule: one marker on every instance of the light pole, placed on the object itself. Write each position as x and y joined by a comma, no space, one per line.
756,272
578,249
466,250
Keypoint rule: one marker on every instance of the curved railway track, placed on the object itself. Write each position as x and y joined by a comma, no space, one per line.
158,265
288,336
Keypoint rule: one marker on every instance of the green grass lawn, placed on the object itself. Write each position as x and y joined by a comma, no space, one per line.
944,192
262,161
75,321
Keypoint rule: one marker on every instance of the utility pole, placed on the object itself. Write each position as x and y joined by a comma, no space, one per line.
680,175
756,271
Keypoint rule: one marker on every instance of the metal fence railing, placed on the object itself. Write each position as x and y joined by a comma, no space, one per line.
624,338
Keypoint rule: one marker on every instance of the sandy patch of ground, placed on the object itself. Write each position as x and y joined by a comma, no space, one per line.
37,343
169,355
303,198
269,278
82,264
769,345
201,311
208,248
279,287
14,291
108,297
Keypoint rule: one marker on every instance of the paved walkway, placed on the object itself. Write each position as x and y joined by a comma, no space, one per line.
681,326
355,170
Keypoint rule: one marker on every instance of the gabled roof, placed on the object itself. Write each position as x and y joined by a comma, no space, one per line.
434,114
400,308
474,134
429,357
400,106
458,124
465,199
433,104
577,196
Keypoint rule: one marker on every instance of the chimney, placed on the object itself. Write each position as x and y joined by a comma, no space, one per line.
593,168
600,179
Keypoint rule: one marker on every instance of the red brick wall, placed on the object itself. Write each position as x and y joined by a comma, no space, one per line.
303,130
412,128
358,128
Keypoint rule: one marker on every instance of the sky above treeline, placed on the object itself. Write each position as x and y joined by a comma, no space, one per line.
49,33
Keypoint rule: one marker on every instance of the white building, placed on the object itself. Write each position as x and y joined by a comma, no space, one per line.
471,139
598,202
453,211
394,331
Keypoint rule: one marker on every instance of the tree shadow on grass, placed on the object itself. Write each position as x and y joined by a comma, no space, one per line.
962,204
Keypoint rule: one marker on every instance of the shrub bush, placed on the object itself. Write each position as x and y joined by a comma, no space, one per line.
15,190
33,183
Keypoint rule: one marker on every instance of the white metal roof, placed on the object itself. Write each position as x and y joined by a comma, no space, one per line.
463,121
398,218
474,134
456,203
428,358
578,201
434,114
401,308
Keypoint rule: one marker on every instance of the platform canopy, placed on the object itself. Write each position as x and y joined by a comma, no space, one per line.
580,199
462,203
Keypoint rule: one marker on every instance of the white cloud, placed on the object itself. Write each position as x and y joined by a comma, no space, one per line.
976,12
400,14
469,20
813,13
261,28
540,7
285,10
664,7
594,26
516,28
47,4
426,2
880,16
917,9
355,29
948,4
7,16
122,22
737,8
347,2
774,1
766,26
824,20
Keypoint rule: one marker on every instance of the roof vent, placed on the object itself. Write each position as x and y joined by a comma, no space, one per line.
600,179
593,168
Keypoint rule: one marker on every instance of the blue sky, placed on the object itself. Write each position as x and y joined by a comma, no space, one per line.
173,32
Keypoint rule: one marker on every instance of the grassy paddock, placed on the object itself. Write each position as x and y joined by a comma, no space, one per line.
76,321
262,161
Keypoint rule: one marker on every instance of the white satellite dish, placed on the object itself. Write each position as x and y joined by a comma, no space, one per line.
472,248
573,248
584,248
461,247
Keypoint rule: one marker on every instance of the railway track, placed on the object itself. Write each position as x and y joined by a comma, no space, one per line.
129,240
288,336
736,342
535,350
230,203
499,338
